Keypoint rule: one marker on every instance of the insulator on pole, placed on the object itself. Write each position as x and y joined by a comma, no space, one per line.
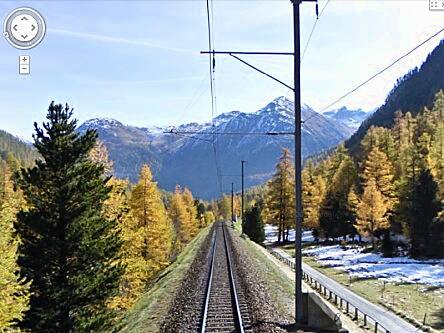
317,10
214,61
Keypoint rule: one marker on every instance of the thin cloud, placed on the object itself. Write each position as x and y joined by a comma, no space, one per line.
118,40
95,81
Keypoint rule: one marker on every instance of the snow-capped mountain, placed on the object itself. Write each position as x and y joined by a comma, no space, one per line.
189,160
102,123
347,117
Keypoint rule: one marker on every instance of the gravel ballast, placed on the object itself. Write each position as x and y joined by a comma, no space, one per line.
265,314
269,303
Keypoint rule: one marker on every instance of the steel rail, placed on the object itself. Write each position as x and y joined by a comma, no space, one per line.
233,286
210,279
239,322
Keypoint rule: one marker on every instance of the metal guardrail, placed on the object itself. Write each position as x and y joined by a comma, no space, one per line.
344,305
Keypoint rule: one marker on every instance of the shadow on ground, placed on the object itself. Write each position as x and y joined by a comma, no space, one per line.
440,315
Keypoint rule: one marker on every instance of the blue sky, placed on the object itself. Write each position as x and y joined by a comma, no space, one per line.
139,61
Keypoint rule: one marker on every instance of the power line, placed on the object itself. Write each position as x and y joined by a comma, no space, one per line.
196,97
313,29
260,71
227,133
189,137
383,70
211,61
216,142
212,89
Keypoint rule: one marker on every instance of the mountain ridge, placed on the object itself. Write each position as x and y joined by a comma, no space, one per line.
352,118
412,92
189,160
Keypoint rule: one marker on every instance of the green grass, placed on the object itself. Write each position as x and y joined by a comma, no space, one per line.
414,300
149,312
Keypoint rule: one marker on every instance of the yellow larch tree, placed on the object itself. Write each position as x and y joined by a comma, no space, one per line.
371,212
313,193
225,208
14,292
209,218
178,213
191,224
147,235
99,154
183,214
280,198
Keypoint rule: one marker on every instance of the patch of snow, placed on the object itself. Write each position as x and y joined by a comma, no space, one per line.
154,130
372,265
271,234
102,123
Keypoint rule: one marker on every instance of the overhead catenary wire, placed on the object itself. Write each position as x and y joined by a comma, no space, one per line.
262,72
378,73
212,87
312,30
210,61
212,67
228,133
384,69
195,98
190,137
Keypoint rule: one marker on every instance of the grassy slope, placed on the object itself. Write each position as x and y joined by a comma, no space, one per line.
412,299
149,312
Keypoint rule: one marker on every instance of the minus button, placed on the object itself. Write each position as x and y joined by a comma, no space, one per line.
24,65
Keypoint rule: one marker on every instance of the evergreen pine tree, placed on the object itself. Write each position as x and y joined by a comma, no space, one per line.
253,225
423,209
69,249
437,145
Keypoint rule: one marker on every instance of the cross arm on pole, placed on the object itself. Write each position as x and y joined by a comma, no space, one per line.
234,53
262,72
248,52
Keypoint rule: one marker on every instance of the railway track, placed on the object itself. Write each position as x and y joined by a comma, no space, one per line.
225,308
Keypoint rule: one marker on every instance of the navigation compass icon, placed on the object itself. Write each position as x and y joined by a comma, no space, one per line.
24,28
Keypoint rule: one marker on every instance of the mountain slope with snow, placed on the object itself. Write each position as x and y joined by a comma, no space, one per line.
189,160
347,117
